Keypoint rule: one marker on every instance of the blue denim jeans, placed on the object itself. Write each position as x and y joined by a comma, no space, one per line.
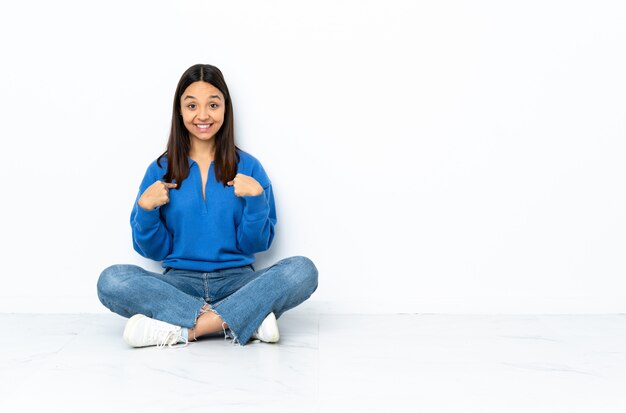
241,296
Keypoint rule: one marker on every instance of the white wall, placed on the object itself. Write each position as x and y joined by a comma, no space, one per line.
429,156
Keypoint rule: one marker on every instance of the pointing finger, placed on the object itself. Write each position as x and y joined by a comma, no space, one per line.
169,185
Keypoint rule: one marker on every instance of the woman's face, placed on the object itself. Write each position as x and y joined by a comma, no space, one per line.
202,106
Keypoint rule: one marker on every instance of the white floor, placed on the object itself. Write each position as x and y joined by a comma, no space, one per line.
323,363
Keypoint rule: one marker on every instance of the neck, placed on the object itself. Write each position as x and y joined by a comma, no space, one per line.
202,150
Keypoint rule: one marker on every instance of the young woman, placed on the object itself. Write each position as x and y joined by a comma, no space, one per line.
204,208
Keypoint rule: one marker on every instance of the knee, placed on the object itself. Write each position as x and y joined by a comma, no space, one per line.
111,280
305,272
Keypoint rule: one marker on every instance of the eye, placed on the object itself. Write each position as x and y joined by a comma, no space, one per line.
214,105
191,106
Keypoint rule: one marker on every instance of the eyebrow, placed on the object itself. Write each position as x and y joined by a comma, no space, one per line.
192,97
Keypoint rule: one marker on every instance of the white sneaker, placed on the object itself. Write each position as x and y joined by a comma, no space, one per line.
142,331
268,330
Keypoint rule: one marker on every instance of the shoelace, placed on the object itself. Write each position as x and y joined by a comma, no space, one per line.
167,340
170,339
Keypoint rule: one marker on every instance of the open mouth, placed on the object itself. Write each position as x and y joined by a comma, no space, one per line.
203,126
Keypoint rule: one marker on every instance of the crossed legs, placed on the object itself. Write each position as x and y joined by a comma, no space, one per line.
208,322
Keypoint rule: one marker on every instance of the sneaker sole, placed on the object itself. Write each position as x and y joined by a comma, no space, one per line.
130,324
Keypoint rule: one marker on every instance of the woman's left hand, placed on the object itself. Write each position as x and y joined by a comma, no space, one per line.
245,185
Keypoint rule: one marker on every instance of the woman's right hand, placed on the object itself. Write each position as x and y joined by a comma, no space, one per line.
155,195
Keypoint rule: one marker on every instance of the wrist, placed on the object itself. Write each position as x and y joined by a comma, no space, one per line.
143,205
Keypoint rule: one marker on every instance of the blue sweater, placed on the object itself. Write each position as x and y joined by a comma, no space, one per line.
190,233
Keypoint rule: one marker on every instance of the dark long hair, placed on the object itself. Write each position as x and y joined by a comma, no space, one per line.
179,144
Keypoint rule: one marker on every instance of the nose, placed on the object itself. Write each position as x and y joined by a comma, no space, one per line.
203,114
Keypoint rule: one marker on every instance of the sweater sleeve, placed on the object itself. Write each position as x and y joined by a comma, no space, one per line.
256,229
151,237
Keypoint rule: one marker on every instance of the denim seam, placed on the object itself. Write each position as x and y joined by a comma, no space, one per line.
206,285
